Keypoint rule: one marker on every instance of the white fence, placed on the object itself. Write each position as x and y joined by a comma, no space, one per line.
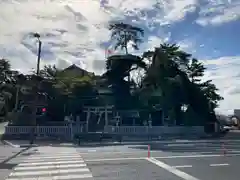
51,131
154,130
70,130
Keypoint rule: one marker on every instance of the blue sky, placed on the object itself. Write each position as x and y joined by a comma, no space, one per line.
75,32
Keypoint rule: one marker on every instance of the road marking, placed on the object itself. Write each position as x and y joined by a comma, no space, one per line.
233,151
52,172
60,167
50,162
11,144
114,152
214,165
45,167
177,145
182,140
92,150
53,159
183,166
172,170
161,157
65,177
54,156
43,154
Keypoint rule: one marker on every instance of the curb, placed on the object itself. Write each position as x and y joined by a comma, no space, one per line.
19,146
11,144
7,142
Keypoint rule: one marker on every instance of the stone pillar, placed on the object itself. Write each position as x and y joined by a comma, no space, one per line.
71,131
88,117
106,116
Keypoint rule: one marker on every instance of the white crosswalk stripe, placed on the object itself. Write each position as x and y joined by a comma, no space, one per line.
52,164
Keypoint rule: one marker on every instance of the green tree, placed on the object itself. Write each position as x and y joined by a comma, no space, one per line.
123,34
118,67
210,91
195,72
178,83
166,76
69,90
7,86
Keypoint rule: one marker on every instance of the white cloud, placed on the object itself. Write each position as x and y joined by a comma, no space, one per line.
72,31
225,74
219,12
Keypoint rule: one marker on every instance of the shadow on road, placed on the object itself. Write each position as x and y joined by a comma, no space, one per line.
5,165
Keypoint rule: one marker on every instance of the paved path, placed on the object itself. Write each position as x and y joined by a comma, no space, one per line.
52,163
172,160
9,157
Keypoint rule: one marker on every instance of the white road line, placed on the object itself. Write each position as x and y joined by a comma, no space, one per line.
54,155
115,159
32,168
112,152
182,140
161,157
50,162
92,150
72,176
52,172
233,151
51,159
215,165
50,165
172,170
179,145
65,177
183,166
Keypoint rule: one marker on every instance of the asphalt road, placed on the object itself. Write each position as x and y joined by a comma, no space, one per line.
169,160
173,160
9,158
2,127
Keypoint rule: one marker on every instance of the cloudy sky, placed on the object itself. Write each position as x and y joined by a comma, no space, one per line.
74,31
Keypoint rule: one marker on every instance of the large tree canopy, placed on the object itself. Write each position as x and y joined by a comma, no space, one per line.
170,79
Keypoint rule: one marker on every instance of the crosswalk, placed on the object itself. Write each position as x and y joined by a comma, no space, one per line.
52,163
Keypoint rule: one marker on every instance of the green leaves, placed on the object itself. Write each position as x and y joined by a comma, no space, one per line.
123,34
195,70
170,78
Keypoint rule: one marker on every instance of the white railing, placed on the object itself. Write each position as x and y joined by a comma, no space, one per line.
154,130
48,131
69,131
39,130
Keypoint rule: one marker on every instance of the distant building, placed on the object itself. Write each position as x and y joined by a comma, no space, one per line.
75,70
236,112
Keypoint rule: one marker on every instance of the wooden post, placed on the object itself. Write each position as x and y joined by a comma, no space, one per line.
88,116
163,121
106,116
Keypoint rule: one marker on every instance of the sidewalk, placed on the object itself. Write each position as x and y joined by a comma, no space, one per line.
52,163
126,140
25,143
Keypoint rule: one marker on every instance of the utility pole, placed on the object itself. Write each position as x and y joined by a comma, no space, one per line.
36,35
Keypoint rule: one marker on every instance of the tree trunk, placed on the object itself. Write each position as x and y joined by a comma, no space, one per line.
126,50
125,42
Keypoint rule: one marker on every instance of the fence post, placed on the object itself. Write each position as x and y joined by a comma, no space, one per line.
71,131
